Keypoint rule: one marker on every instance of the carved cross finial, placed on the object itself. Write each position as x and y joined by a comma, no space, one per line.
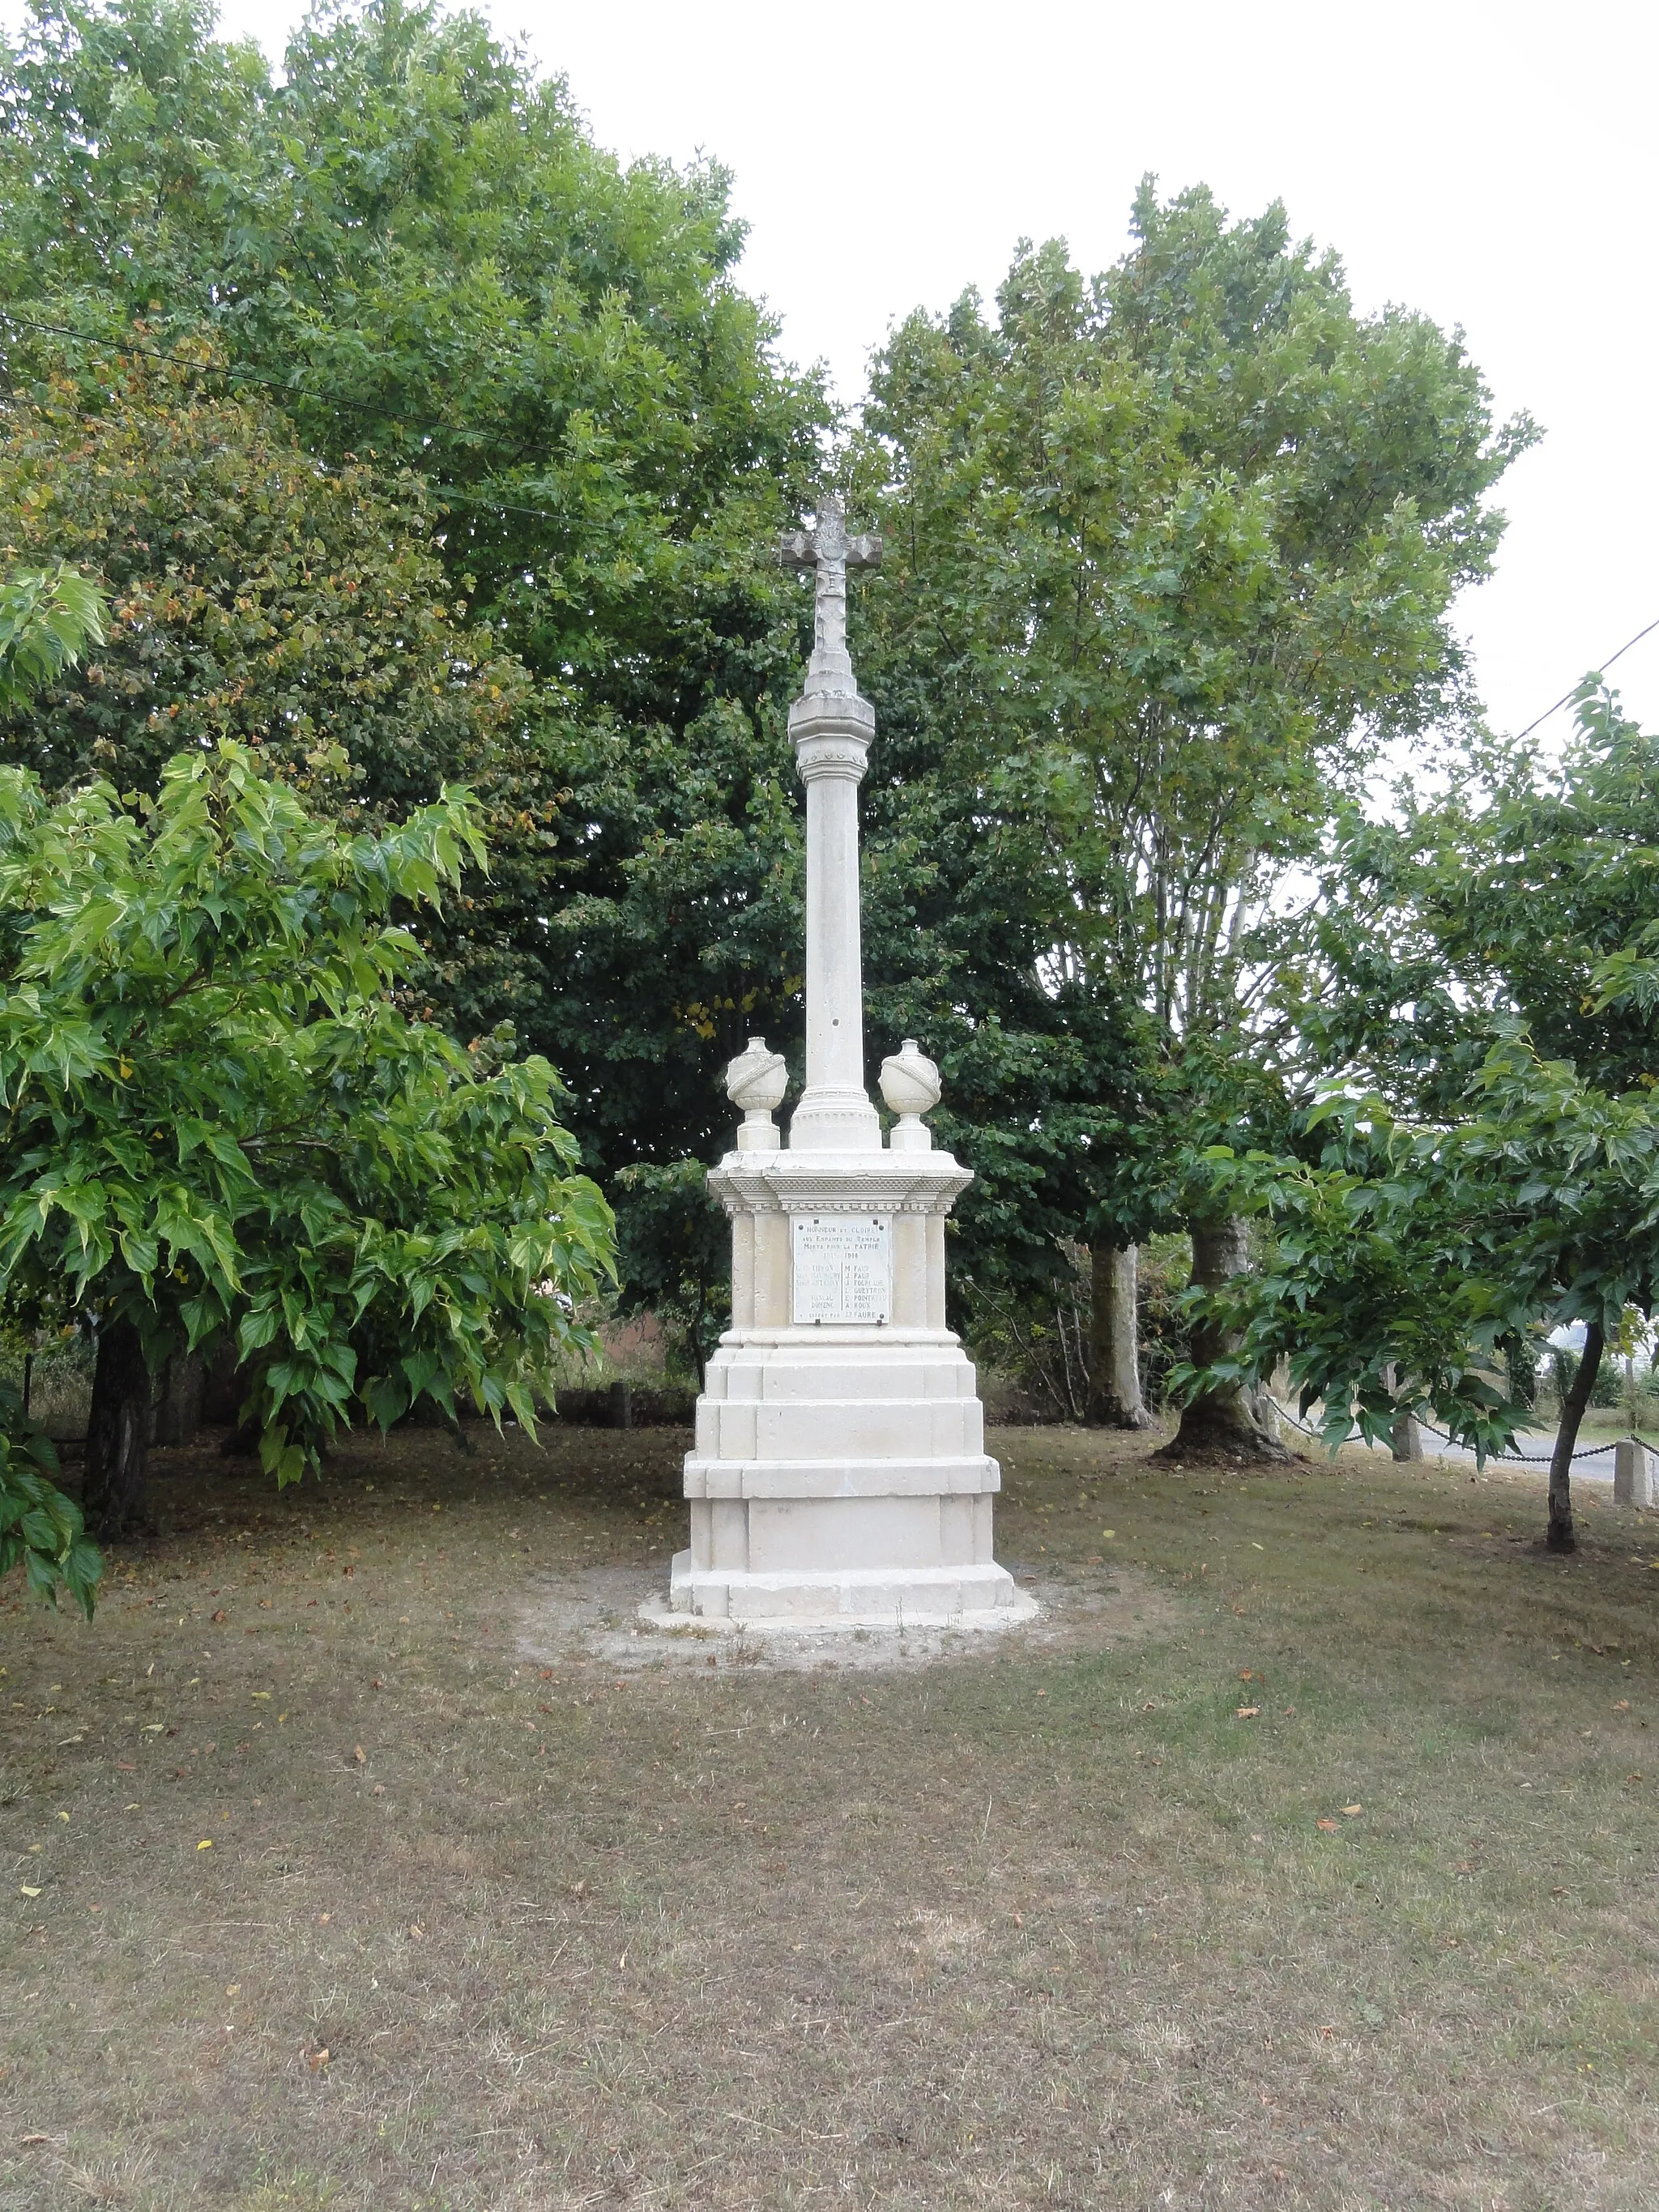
831,552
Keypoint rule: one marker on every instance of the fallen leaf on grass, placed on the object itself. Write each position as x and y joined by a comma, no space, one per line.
206,1844
317,2061
1330,1826
1246,1712
1351,1809
416,1931
358,1753
1249,1674
24,1890
126,1766
31,2140
1623,1706
221,1616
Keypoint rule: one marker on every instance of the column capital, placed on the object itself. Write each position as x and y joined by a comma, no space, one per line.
830,731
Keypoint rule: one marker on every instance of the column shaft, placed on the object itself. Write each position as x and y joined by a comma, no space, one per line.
834,967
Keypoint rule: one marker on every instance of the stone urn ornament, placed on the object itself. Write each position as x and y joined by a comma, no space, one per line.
911,1087
756,1081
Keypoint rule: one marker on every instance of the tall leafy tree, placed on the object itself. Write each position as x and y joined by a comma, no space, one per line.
215,1117
1175,552
412,244
254,594
1482,991
47,619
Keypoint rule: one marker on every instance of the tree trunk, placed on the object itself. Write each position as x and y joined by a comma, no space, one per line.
117,1433
184,1384
1405,1437
1115,1400
1558,1536
1231,1421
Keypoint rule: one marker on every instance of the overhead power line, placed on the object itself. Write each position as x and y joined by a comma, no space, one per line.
1602,671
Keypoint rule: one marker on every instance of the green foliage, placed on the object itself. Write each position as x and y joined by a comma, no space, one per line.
1410,1262
47,618
1522,892
219,1117
255,597
1170,553
676,1252
416,242
41,1528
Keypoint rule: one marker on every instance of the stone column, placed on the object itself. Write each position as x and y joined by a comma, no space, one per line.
830,726
835,1113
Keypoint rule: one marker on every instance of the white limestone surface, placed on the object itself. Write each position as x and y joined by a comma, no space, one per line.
839,1476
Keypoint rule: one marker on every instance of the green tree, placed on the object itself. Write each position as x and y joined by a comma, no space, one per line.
1174,553
46,621
1485,990
218,1117
415,240
254,596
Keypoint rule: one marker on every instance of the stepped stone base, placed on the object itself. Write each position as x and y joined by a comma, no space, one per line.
841,1481
840,1598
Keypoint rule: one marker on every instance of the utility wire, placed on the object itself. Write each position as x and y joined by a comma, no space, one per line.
1606,665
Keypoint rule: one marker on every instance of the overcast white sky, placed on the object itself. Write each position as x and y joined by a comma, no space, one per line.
1494,165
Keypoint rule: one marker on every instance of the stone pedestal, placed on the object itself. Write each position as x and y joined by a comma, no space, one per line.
840,1477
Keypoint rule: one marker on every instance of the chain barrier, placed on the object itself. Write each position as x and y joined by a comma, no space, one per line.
1515,1458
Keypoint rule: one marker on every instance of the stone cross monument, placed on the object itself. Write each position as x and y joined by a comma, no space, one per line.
839,1476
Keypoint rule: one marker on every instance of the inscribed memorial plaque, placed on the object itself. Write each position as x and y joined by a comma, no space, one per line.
843,1269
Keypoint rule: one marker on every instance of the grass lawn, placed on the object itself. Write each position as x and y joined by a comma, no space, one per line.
1302,1856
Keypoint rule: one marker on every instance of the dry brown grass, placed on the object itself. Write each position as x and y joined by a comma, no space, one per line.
1051,1925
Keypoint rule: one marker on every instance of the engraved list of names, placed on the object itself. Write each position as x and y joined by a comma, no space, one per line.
843,1268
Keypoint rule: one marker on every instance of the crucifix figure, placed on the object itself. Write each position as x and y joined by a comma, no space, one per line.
830,550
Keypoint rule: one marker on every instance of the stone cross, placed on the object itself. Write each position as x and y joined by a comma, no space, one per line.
830,726
830,550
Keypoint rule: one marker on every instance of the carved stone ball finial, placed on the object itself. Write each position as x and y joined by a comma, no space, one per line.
911,1087
756,1081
